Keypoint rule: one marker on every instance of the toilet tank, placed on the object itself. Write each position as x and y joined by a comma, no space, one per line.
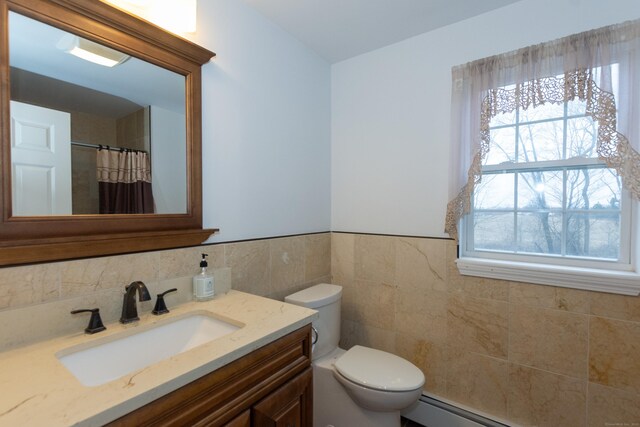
326,299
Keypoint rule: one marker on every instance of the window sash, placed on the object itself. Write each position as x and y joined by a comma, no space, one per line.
519,124
624,261
545,165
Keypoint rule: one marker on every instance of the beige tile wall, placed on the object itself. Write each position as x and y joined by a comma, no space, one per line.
85,195
534,355
92,128
133,131
35,300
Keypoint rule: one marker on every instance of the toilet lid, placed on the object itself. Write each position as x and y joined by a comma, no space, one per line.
316,296
379,370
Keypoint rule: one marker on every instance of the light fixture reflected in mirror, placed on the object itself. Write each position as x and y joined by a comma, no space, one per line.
91,51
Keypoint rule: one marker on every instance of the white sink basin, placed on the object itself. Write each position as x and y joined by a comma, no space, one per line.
129,351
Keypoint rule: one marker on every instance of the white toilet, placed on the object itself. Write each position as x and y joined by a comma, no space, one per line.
358,387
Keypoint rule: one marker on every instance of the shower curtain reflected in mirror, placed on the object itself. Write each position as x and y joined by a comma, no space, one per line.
124,180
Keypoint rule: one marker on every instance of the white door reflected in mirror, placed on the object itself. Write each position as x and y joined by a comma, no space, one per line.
41,160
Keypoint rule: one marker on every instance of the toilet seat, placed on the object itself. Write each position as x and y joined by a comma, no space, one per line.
379,370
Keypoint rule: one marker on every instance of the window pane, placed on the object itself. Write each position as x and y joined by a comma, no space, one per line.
493,231
540,232
593,189
503,146
540,141
593,235
540,190
581,137
542,112
576,107
503,119
494,192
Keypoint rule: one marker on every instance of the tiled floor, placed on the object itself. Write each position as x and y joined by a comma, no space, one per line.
409,423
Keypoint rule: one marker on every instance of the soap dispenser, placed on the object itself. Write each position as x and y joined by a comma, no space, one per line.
203,282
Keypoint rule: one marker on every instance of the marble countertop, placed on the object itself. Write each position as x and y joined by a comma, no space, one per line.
37,390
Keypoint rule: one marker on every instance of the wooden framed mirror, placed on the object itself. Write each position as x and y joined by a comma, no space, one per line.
65,121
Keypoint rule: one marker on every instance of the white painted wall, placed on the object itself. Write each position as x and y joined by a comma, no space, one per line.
390,111
266,127
168,160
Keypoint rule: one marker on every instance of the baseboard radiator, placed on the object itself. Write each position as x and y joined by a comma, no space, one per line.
431,412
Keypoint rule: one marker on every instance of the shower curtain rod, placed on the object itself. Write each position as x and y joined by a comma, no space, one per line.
105,147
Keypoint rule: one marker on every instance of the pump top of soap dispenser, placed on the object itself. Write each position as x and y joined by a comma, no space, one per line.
203,282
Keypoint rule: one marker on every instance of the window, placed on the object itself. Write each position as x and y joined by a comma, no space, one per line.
548,173
545,193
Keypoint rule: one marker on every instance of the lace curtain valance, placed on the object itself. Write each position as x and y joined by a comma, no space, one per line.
574,67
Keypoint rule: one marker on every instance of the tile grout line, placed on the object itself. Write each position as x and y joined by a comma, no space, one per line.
546,371
615,319
395,293
586,404
509,362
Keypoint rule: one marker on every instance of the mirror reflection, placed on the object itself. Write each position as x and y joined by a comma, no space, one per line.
93,130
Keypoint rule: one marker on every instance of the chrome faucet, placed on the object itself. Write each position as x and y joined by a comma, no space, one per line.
129,309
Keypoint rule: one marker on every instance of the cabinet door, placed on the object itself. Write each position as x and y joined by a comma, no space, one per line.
288,406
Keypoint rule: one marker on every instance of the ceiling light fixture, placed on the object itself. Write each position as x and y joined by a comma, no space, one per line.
91,51
177,16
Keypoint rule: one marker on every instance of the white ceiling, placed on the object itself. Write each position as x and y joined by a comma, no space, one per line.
341,29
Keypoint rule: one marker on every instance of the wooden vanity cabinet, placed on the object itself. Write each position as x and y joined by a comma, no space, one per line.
272,386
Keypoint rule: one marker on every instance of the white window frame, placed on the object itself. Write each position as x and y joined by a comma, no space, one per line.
620,276
619,281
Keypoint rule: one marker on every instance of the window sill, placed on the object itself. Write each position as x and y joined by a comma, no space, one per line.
617,282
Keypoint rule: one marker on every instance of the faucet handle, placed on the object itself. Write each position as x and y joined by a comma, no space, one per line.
95,322
161,306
